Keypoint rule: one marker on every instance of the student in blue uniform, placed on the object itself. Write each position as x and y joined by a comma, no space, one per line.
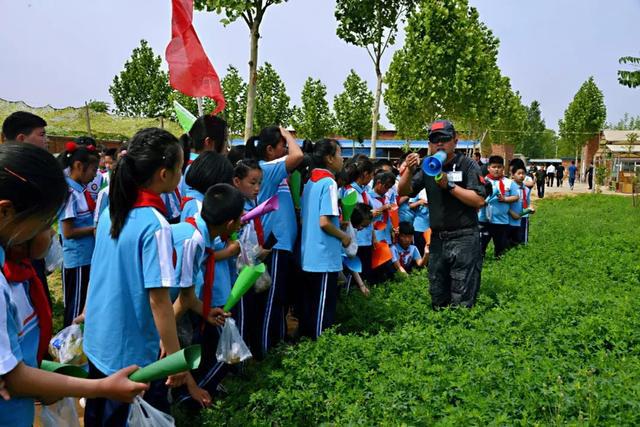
360,170
207,170
421,221
360,218
322,239
129,310
76,227
405,253
220,217
497,209
32,189
519,223
382,227
248,179
278,154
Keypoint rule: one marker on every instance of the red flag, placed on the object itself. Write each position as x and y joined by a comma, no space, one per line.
190,71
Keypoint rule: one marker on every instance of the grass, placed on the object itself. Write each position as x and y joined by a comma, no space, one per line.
554,339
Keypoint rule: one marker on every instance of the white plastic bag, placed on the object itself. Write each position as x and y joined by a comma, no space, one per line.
249,247
60,414
352,249
66,346
142,414
53,259
263,283
231,348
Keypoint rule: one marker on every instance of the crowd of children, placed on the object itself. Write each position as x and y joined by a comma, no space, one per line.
153,240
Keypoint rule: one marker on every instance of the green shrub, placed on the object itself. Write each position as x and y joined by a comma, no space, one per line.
554,339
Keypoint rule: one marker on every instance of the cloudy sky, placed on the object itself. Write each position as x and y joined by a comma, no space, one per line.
63,52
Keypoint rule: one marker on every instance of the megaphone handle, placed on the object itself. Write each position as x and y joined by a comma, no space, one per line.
438,177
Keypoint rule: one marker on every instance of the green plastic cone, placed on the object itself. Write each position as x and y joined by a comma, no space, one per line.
180,361
184,116
348,204
244,282
295,181
60,368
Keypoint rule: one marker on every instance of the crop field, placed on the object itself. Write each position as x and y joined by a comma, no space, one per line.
554,339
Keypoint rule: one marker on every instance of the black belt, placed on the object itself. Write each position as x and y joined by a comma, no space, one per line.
447,235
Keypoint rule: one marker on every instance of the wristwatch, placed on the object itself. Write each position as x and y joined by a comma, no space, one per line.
450,186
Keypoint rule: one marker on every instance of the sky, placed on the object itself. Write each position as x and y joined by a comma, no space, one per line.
65,52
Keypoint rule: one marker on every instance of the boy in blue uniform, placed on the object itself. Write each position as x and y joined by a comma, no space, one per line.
421,223
519,222
505,192
405,254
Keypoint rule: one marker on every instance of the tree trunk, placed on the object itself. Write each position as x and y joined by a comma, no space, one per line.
376,112
253,79
87,119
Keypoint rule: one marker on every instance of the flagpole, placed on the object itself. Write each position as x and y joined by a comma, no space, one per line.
200,106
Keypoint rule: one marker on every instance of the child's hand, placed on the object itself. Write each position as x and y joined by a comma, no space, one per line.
346,240
263,253
4,393
78,320
198,394
217,316
176,380
500,197
234,248
365,291
119,387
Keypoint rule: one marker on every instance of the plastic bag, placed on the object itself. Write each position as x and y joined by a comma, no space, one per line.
249,247
352,249
263,283
231,348
53,259
66,346
142,414
60,414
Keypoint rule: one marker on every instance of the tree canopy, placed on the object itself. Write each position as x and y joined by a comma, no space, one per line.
313,119
272,101
353,108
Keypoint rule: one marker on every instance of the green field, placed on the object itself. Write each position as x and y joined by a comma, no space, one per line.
71,121
554,339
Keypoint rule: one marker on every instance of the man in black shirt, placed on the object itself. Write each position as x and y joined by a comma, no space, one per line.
454,199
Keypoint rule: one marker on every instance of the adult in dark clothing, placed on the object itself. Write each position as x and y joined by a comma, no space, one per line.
589,176
455,263
541,175
559,175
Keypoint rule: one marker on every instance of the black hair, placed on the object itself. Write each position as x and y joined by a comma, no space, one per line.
236,154
77,153
496,160
357,166
222,203
256,146
21,122
243,168
209,126
85,141
516,164
185,143
342,178
385,178
210,168
149,150
477,153
111,152
406,228
321,149
361,213
31,178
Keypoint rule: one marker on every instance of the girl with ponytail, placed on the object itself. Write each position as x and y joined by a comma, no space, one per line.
77,227
129,310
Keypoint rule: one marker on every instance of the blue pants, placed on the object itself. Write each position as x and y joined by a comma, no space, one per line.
74,284
321,297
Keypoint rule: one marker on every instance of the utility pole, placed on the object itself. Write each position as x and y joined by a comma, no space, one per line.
88,120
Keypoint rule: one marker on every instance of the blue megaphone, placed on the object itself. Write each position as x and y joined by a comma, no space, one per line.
432,165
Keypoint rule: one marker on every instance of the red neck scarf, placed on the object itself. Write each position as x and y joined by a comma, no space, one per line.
209,277
257,224
317,174
147,198
525,205
23,271
500,183
382,224
184,201
91,204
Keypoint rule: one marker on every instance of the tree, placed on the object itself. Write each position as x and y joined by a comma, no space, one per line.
584,117
142,88
626,123
446,69
372,25
98,106
272,101
629,78
252,13
235,94
353,108
509,116
313,120
533,142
